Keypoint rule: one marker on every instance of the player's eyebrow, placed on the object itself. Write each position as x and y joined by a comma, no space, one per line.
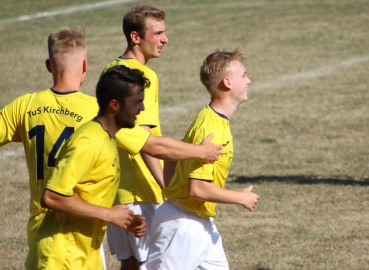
160,31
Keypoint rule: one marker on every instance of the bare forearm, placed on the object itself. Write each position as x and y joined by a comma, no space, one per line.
169,170
170,149
208,191
154,166
118,215
73,205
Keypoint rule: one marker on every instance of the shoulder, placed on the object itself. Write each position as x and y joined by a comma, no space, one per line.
87,98
202,117
22,100
120,62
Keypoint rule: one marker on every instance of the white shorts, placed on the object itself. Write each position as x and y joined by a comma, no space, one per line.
123,243
102,253
182,240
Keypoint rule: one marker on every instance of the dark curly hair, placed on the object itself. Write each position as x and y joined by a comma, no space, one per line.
116,83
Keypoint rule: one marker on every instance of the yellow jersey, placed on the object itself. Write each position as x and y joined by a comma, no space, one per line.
207,121
43,121
88,167
137,183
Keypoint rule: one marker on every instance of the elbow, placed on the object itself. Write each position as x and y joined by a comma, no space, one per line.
157,147
193,191
156,151
46,201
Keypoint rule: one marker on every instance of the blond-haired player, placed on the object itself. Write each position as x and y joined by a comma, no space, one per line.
79,194
183,233
43,121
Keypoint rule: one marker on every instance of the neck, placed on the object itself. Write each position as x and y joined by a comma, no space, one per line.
108,123
223,106
66,83
135,53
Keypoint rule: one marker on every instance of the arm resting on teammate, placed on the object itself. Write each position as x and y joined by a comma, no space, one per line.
170,149
118,215
208,191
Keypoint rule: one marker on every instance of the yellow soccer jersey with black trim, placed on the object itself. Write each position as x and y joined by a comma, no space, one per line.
207,121
89,169
132,144
43,121
137,183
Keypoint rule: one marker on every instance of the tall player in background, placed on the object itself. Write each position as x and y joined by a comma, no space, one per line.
141,175
183,232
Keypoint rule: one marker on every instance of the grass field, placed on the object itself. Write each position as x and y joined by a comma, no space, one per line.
301,139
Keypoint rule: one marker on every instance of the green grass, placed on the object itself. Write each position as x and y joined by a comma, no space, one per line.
301,139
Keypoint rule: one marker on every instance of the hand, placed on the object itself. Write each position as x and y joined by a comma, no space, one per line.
138,226
121,216
212,151
250,199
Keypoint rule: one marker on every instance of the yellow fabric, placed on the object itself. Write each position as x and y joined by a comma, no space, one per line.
126,140
137,183
207,121
43,121
89,169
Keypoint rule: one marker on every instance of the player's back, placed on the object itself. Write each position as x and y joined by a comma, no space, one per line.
43,121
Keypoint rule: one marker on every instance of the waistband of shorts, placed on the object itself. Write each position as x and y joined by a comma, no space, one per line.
183,209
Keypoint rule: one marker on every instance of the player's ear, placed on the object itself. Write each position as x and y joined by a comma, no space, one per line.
84,66
48,65
135,37
114,105
227,83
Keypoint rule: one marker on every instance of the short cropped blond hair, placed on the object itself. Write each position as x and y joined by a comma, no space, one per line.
63,40
216,65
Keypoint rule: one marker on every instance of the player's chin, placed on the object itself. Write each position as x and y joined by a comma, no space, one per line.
127,124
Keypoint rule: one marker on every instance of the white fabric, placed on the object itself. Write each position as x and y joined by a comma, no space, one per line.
102,253
182,240
123,243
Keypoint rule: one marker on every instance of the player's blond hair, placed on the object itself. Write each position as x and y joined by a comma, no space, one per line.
216,65
135,20
63,40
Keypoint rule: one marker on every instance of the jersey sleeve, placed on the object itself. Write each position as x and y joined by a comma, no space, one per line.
197,168
10,121
132,139
69,169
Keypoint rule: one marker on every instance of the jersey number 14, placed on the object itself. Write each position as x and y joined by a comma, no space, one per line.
39,133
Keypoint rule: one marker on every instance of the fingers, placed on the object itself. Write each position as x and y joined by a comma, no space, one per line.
251,199
209,137
139,220
138,226
121,216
